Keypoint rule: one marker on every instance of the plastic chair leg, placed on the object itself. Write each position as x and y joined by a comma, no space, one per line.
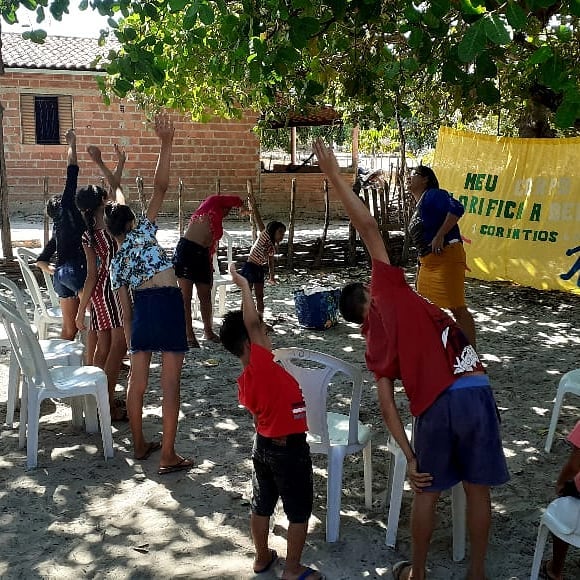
13,389
77,408
102,401
222,300
554,420
33,408
333,495
396,483
368,475
539,551
458,514
23,427
91,417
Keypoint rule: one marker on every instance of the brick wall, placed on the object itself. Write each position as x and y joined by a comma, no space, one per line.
204,154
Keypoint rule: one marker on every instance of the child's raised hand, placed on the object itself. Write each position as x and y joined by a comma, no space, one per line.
326,158
237,279
164,128
95,154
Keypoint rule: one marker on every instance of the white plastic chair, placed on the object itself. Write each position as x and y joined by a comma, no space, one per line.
333,434
52,295
562,518
221,282
44,316
61,382
56,351
569,383
397,473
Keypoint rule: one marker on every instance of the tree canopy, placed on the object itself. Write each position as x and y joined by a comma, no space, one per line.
371,60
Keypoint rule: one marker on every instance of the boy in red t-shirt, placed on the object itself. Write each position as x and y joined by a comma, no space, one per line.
281,457
568,484
457,435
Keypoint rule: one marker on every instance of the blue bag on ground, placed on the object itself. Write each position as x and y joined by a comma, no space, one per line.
318,309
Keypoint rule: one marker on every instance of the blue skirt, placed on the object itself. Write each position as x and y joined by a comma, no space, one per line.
158,320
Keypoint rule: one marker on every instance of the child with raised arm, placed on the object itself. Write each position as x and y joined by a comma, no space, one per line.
154,321
262,254
457,436
105,309
193,259
281,455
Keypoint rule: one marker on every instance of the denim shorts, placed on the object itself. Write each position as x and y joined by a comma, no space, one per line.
253,273
458,439
193,262
158,320
69,279
282,471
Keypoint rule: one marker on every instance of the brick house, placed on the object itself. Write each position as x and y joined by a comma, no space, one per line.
50,87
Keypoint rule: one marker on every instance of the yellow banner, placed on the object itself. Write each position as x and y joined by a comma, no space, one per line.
522,206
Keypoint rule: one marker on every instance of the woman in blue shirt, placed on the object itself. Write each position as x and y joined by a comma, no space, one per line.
435,233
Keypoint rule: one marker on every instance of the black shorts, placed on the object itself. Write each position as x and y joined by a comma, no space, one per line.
193,262
282,471
253,273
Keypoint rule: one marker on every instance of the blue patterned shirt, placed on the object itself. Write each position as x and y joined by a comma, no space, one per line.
139,258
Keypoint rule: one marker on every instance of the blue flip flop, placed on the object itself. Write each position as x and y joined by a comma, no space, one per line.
273,558
308,572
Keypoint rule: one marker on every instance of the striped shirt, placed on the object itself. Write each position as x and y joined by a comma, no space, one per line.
262,249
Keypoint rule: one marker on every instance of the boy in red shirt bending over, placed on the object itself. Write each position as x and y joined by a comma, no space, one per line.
457,428
281,456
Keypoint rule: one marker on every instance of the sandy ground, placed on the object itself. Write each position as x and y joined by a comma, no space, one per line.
79,516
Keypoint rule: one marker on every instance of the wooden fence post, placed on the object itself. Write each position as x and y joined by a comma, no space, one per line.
318,259
45,201
290,250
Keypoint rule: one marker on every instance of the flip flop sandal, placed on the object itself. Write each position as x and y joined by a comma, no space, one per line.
399,567
182,465
153,446
308,572
273,559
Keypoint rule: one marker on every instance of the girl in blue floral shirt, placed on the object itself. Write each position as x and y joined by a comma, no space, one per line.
155,320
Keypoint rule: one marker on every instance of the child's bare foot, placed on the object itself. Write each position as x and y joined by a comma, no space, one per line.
95,154
261,566
211,335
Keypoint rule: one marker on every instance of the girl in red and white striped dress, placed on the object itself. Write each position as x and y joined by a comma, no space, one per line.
105,308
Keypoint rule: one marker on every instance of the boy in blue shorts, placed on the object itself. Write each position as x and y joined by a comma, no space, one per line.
280,456
457,436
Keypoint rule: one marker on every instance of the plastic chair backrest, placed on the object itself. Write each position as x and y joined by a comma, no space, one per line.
314,381
52,295
24,258
15,296
229,241
25,346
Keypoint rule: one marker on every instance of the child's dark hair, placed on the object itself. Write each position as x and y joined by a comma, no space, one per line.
424,171
352,302
88,199
233,333
117,217
53,206
273,227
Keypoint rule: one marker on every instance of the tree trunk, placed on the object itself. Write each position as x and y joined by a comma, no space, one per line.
4,214
400,181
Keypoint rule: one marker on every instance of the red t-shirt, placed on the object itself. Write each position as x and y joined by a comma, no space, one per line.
411,339
272,395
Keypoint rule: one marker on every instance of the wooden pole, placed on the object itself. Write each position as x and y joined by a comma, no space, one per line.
255,217
318,259
180,206
290,251
218,186
354,160
292,145
45,201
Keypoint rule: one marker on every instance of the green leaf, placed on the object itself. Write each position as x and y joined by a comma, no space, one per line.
567,114
474,7
541,55
553,73
190,17
440,7
488,93
574,6
496,30
415,38
206,14
112,23
313,89
516,16
473,42
122,87
411,14
130,34
38,36
39,14
564,33
150,11
485,66
392,70
177,5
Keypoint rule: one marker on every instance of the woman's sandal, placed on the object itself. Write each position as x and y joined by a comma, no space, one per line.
399,568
